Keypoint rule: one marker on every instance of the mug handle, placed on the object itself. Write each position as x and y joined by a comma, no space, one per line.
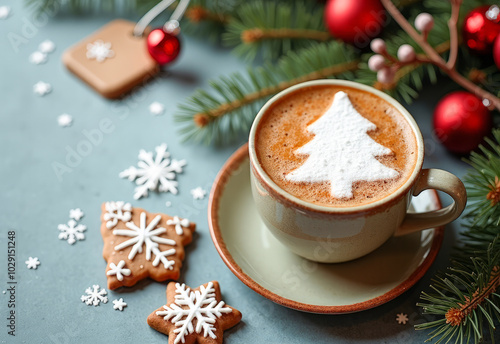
440,180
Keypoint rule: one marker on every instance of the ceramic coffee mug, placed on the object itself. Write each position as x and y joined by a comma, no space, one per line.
329,234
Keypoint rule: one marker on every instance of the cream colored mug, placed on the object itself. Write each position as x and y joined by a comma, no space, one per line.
329,234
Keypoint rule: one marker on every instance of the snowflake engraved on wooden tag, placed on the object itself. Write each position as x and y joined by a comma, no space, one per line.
112,60
141,245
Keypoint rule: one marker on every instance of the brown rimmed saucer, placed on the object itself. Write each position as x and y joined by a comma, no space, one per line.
266,266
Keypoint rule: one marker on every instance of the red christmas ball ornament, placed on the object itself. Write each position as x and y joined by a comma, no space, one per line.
355,21
481,28
461,121
164,47
496,51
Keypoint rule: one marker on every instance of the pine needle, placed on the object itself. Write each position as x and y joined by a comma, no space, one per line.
228,108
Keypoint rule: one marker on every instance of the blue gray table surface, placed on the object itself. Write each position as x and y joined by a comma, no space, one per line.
34,200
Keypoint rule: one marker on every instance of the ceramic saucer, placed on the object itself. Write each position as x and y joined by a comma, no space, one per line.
266,266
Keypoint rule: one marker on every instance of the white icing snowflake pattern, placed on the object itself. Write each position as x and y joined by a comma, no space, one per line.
119,304
118,270
159,172
42,88
64,120
38,57
32,263
76,214
198,193
146,234
47,47
95,296
202,306
156,108
117,211
72,232
99,51
4,12
402,318
178,223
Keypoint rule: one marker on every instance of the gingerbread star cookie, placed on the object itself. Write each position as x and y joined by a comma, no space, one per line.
139,244
194,316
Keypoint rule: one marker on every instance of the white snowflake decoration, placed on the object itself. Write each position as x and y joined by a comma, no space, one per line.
402,318
64,120
72,232
119,304
4,12
198,193
147,235
178,223
42,88
118,270
38,57
76,214
202,306
47,47
94,296
117,211
32,263
156,108
99,51
159,172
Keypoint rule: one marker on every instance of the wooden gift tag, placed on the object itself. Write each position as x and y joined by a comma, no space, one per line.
112,60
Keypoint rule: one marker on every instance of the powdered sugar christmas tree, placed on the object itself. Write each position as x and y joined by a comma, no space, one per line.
341,151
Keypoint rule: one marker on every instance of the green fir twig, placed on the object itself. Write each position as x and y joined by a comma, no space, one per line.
228,108
466,299
274,28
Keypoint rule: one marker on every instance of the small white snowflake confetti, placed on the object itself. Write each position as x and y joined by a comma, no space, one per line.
94,296
76,214
156,108
178,223
118,270
119,304
198,193
158,173
38,57
4,12
32,263
47,47
117,211
71,232
64,120
168,204
402,318
99,51
42,88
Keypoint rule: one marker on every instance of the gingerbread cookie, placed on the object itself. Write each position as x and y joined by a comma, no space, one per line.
112,60
138,244
194,316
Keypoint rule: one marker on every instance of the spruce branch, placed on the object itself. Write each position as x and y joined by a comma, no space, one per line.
230,106
274,28
467,297
482,182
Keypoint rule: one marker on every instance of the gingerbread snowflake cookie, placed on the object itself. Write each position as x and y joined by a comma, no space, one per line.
139,244
194,316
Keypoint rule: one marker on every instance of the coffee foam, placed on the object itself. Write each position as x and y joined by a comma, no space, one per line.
284,129
341,151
